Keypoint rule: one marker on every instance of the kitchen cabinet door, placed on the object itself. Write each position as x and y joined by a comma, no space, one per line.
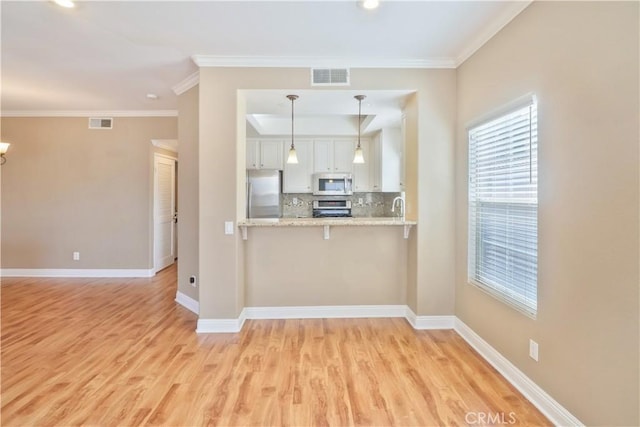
362,179
271,154
322,155
297,176
343,152
264,153
388,175
376,163
333,155
253,154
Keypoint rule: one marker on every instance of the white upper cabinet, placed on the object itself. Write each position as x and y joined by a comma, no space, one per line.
343,152
362,172
271,154
253,154
297,176
388,164
323,155
318,155
265,153
333,155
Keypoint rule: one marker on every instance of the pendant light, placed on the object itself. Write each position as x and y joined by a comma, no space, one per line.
293,157
359,155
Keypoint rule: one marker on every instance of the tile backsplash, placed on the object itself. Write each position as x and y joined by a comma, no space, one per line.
365,205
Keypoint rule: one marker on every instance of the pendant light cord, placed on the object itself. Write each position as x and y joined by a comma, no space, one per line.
359,119
359,98
292,98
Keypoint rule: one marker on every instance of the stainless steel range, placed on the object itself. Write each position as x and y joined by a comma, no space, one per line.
332,209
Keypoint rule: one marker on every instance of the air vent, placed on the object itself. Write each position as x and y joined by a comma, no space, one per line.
329,77
100,123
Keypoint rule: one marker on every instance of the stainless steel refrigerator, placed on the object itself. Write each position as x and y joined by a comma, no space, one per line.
263,193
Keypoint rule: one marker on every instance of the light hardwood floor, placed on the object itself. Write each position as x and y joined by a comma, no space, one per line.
122,352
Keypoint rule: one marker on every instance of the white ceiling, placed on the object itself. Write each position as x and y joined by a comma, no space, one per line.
328,111
107,55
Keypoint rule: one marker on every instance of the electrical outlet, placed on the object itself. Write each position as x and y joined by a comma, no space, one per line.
360,201
192,281
76,256
533,350
295,201
228,227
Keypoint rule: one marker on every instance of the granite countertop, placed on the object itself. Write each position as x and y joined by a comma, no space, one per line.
311,222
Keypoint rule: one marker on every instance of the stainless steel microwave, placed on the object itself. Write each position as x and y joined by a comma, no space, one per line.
332,184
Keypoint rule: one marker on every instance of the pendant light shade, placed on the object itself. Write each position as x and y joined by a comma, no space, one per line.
293,157
359,155
4,146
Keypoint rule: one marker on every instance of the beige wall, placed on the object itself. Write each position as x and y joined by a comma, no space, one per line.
222,161
188,235
67,188
435,241
581,60
295,266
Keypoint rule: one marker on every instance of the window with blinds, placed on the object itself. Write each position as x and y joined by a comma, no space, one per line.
503,206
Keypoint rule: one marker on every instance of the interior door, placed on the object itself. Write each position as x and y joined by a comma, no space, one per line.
164,212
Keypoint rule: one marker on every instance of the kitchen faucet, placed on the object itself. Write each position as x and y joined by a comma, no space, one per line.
400,201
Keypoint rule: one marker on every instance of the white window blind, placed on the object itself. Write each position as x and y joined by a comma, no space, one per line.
503,206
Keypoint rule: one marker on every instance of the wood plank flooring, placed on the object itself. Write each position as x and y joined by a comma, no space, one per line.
121,352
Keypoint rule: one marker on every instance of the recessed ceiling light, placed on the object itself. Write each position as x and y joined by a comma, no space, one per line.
152,96
65,3
370,4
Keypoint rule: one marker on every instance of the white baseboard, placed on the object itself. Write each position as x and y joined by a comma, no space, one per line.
302,312
217,326
556,413
429,322
327,311
75,272
188,302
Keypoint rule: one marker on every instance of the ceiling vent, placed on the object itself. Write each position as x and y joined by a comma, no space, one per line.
100,123
329,77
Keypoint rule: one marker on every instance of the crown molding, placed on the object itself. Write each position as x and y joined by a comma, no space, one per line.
492,29
187,83
318,62
96,113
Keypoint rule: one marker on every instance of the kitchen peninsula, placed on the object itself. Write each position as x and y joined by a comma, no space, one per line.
297,262
326,223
